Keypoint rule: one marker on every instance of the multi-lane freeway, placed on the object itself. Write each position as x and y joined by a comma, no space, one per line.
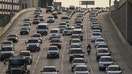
62,64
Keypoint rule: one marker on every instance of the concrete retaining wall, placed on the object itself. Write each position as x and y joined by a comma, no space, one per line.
129,22
123,19
119,17
14,18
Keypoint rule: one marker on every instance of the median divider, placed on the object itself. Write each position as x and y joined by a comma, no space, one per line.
4,29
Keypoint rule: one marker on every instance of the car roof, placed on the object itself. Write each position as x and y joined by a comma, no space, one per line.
24,51
55,29
49,67
106,57
113,66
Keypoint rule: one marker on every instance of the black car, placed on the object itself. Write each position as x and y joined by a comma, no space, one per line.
12,37
75,53
55,15
24,31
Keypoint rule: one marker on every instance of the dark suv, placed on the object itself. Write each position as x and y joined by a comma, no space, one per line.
75,53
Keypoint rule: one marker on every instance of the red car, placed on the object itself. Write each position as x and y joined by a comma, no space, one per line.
36,21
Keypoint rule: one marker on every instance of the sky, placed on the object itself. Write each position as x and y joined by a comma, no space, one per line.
98,3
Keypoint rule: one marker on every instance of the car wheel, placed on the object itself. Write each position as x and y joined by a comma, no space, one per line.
100,69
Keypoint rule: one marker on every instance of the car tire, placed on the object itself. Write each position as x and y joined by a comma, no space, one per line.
100,69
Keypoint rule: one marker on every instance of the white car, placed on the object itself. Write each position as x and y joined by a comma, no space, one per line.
77,61
67,31
50,19
37,36
49,70
105,61
98,41
81,69
102,52
95,35
7,43
113,69
27,55
53,51
54,33
102,46
75,46
75,40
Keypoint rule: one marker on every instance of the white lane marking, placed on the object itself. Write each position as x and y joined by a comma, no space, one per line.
62,59
35,65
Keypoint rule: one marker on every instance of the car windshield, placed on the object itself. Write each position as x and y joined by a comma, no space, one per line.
52,48
96,34
53,31
41,27
114,69
106,59
23,28
64,18
77,32
32,41
62,26
102,46
6,42
40,16
75,46
50,17
26,25
16,62
75,41
49,70
100,40
75,37
75,51
78,61
36,35
24,54
12,36
103,51
68,29
81,69
6,49
55,40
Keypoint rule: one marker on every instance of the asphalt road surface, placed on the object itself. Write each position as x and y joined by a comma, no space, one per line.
39,58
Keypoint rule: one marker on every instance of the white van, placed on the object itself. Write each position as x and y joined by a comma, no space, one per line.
42,28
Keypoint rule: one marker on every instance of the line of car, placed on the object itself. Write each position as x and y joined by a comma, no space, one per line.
103,54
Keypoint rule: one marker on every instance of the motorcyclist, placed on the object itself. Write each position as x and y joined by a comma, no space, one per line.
88,49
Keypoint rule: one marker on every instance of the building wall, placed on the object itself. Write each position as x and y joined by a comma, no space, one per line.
44,3
6,6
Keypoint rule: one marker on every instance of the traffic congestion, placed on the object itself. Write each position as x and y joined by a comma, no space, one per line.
52,41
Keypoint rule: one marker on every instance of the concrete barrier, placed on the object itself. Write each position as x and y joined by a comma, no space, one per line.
4,29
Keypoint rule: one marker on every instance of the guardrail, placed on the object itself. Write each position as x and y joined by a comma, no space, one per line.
4,29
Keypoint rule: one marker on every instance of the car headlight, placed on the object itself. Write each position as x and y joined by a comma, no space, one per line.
101,64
